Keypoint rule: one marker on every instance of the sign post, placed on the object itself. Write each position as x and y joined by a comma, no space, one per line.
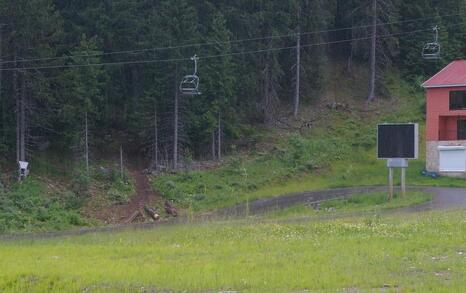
397,143
397,164
390,183
403,182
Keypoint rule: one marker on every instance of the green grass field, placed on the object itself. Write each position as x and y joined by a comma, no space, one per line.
358,203
408,253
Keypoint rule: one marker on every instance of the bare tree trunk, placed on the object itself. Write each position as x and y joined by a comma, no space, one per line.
351,55
167,160
266,102
349,66
121,162
1,96
213,146
18,120
175,126
86,151
298,69
373,60
134,87
219,150
22,129
156,139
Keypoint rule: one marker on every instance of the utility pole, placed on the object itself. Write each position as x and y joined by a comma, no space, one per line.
373,65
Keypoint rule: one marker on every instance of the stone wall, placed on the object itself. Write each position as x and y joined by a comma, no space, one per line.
432,156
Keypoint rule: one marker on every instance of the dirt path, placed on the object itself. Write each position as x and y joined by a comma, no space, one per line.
119,214
144,195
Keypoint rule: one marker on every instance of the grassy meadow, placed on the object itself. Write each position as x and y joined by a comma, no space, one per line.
407,253
356,204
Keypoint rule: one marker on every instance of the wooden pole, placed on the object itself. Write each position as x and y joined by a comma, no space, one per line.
403,182
390,183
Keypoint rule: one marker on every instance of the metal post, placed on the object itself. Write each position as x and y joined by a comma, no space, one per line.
390,183
403,182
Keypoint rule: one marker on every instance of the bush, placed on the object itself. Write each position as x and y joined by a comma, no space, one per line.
120,191
81,183
26,207
117,196
71,200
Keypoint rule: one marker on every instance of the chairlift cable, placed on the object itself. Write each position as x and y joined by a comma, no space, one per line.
139,51
212,56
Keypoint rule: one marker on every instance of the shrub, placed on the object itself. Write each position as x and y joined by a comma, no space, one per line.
81,183
26,207
117,196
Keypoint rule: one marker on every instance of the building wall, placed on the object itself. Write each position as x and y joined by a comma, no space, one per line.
432,155
448,126
437,105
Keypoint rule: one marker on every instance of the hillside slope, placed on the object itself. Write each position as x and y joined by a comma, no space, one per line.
334,148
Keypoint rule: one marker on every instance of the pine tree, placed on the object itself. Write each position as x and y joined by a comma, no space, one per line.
82,106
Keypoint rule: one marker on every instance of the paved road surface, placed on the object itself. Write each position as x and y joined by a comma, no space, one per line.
448,198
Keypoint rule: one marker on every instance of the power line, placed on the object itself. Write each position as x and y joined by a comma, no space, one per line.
140,51
208,56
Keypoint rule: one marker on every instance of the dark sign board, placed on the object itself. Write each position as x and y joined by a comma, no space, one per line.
397,141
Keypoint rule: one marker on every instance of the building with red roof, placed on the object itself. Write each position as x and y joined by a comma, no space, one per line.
446,120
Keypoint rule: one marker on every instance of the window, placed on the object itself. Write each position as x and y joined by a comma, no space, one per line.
461,130
458,100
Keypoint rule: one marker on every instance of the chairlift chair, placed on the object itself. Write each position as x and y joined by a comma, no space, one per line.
190,83
431,51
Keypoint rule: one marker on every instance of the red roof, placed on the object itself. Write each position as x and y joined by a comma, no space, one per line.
453,75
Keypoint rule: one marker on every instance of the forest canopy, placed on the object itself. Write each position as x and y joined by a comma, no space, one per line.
74,73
